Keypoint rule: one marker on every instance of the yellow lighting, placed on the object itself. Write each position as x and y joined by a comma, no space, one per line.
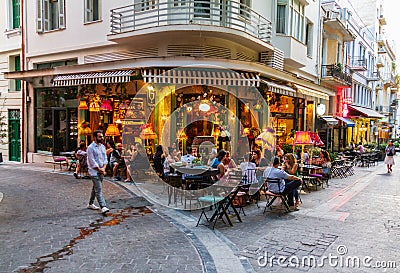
112,130
83,105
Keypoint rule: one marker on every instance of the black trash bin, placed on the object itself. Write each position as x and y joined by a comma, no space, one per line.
1,157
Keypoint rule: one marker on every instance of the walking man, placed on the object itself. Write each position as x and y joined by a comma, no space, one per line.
97,162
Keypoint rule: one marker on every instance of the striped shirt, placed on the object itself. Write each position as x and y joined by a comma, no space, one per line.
96,157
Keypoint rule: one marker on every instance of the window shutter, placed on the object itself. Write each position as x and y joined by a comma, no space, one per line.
17,64
88,11
39,17
16,14
46,15
61,13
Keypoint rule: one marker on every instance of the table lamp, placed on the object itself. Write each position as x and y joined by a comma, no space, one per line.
112,131
302,138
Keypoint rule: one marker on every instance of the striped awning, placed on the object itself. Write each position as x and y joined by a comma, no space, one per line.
200,76
279,88
311,92
116,76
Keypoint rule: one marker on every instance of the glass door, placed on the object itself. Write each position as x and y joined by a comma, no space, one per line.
65,134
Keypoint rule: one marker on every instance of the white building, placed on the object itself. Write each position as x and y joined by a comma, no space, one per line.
10,90
275,45
372,16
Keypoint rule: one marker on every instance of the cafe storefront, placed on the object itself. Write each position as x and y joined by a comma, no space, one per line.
226,108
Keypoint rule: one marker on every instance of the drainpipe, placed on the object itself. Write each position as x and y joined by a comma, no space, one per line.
319,42
24,85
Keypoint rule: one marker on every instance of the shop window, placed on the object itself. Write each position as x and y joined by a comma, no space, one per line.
50,15
56,118
92,11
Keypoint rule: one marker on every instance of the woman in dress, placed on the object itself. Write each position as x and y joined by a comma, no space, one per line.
390,152
158,160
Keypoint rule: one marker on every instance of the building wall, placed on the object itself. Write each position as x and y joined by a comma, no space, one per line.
10,46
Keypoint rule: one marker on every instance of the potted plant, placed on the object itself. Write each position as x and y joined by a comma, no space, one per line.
381,148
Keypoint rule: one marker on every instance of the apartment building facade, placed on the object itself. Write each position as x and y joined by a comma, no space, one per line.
372,17
290,53
10,90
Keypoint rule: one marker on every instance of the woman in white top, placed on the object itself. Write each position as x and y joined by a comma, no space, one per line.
248,170
172,157
390,152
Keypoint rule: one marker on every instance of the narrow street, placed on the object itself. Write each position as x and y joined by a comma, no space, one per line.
46,227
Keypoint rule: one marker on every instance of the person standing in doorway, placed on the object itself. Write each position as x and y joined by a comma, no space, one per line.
97,162
390,152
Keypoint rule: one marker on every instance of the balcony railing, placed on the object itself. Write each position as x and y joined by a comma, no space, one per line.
335,71
229,14
374,76
358,63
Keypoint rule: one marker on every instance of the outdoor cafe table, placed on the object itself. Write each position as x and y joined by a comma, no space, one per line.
196,174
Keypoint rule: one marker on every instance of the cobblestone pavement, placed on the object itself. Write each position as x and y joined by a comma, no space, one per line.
46,227
351,226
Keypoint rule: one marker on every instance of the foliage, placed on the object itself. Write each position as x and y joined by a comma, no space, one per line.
372,145
396,144
333,156
287,148
3,125
382,146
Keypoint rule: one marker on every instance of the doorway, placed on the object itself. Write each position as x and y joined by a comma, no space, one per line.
14,135
64,129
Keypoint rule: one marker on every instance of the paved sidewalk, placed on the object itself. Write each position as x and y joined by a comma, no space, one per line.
324,222
349,215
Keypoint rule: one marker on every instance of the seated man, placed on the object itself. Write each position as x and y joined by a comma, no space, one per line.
116,160
286,188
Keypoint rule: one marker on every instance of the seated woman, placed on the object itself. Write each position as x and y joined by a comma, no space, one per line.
158,159
248,170
217,163
172,157
290,166
324,161
261,162
138,161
